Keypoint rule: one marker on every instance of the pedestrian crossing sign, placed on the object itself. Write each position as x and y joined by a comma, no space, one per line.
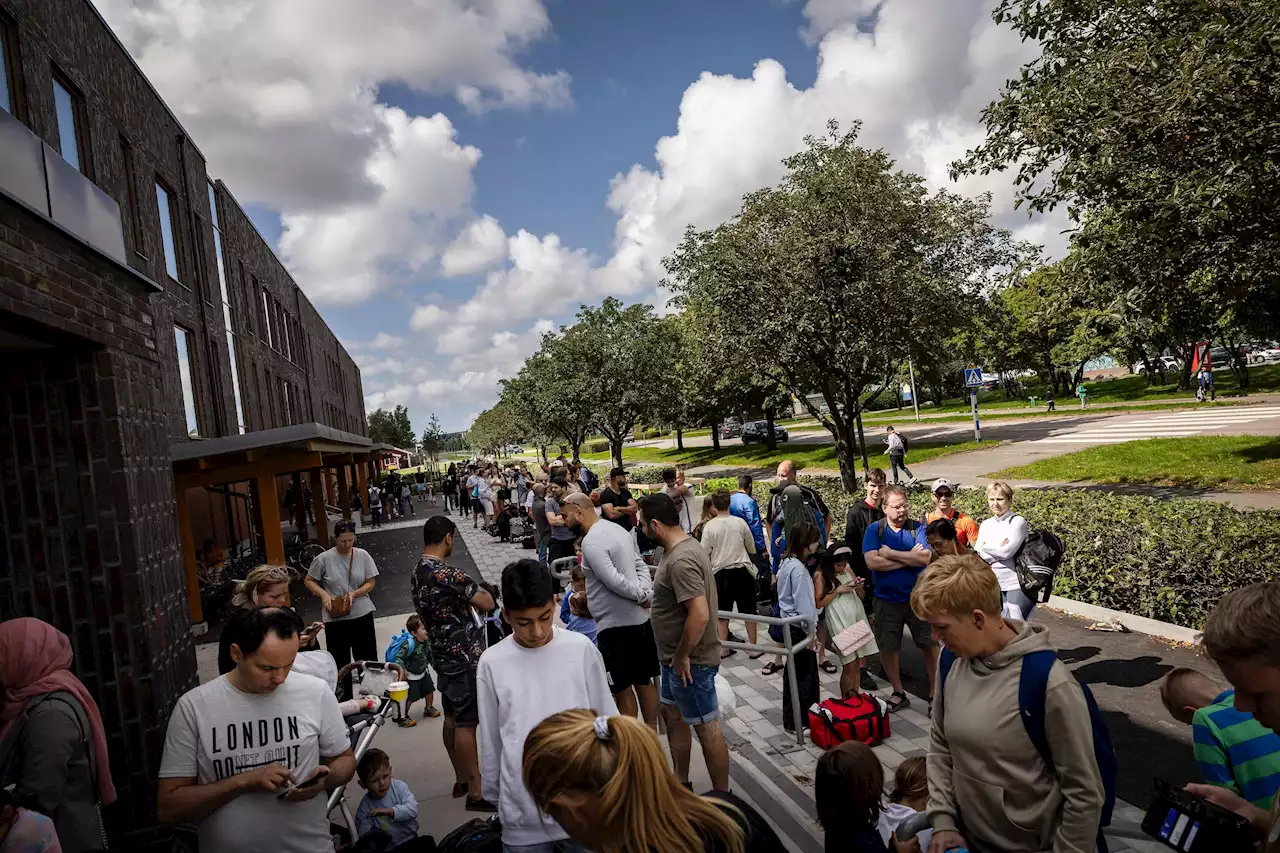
973,377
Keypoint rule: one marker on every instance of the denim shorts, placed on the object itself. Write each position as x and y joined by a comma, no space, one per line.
696,701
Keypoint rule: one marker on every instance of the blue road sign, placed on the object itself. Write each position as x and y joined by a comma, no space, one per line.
973,377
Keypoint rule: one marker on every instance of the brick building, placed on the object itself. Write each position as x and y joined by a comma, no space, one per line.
161,376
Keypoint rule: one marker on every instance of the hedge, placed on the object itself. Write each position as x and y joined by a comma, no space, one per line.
1169,559
596,445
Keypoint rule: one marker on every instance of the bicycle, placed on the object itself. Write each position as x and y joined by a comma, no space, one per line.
299,554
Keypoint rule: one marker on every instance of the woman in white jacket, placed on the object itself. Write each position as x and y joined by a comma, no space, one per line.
999,539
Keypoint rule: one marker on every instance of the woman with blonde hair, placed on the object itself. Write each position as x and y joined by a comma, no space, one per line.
999,539
264,586
605,781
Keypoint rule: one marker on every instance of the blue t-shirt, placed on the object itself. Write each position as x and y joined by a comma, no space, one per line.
894,586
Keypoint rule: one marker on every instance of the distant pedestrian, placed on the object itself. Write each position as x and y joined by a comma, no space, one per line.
681,493
538,514
897,450
1048,398
375,506
1083,393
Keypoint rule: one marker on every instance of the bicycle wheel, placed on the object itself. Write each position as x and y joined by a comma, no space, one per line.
307,555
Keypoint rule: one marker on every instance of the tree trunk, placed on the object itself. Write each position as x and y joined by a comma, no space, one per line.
846,455
679,438
615,452
577,452
715,435
862,446
770,440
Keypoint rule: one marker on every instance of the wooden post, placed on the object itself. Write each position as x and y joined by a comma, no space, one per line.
344,492
299,507
188,543
362,481
317,503
269,503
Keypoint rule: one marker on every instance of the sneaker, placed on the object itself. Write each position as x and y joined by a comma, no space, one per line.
867,682
431,712
480,805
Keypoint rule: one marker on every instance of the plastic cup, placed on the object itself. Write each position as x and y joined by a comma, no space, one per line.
399,690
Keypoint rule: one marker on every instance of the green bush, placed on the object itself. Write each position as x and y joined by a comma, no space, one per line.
596,445
1166,559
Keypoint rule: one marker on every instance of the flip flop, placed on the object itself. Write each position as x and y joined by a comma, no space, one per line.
727,653
771,668
829,668
756,655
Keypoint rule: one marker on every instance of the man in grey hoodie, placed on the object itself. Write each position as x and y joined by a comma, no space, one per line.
987,783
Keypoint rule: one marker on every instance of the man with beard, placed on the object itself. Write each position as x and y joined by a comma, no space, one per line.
619,595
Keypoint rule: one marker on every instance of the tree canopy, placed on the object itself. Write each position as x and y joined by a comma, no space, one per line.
392,428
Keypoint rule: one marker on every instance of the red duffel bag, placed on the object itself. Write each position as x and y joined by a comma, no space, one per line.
860,717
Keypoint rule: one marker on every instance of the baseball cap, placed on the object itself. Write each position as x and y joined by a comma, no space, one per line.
942,483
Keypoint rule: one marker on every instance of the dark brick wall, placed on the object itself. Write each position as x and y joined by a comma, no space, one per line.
89,536
127,121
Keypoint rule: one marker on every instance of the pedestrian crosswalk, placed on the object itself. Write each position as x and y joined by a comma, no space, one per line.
1172,425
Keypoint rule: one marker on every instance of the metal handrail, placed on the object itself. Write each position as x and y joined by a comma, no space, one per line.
560,568
786,649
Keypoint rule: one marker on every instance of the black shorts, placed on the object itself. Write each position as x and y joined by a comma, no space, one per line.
457,685
891,617
477,507
735,585
630,655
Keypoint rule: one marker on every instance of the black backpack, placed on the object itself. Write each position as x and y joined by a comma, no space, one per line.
1037,563
479,835
593,481
906,443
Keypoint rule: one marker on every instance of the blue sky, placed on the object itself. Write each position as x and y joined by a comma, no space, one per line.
450,179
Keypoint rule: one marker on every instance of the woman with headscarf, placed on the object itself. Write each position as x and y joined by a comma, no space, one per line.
53,743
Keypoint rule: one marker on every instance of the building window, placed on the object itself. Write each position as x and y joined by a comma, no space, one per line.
287,396
131,195
185,366
213,206
8,71
71,136
167,229
266,320
226,309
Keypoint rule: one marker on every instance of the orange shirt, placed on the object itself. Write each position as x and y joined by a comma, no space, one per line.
966,527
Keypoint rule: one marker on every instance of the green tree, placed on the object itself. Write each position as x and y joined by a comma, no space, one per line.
494,429
624,355
1154,121
392,428
432,439
552,395
839,273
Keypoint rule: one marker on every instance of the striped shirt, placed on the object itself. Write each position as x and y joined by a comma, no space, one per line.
1237,752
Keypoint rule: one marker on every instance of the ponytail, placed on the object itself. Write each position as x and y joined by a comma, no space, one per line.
619,759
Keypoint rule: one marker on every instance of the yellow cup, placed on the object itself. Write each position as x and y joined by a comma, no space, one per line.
399,690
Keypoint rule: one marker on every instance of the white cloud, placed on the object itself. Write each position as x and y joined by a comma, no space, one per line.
480,245
385,341
280,95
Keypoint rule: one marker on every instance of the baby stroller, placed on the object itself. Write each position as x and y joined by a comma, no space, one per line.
363,728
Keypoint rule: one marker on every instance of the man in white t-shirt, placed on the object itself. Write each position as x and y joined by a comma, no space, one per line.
674,487
251,755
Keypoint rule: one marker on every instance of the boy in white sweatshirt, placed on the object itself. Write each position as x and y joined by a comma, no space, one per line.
538,671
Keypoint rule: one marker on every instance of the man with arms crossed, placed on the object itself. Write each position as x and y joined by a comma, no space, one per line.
251,755
896,551
619,595
684,608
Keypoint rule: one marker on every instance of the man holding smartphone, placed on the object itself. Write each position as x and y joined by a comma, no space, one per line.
250,755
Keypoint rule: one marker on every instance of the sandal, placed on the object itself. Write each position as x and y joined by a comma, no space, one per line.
724,653
756,655
771,668
829,667
406,722
897,701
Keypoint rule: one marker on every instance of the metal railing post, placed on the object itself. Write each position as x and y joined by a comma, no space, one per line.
561,568
788,648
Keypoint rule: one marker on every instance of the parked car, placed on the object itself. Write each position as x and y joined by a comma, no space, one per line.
757,431
511,449
1171,365
732,428
1265,354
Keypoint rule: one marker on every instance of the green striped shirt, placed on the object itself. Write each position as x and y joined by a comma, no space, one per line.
1236,752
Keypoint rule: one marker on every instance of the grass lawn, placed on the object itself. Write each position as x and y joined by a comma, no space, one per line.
759,456
1211,462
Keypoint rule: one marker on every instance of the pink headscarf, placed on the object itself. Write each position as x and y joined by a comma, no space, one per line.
35,658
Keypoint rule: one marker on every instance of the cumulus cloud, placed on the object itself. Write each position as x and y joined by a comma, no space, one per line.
479,246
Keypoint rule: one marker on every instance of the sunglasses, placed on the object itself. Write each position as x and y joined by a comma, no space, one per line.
945,493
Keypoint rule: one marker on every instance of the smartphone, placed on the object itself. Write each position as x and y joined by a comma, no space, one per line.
1187,823
314,780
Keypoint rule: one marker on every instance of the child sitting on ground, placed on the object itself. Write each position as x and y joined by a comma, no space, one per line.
388,805
1219,731
910,796
849,795
415,657
574,612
